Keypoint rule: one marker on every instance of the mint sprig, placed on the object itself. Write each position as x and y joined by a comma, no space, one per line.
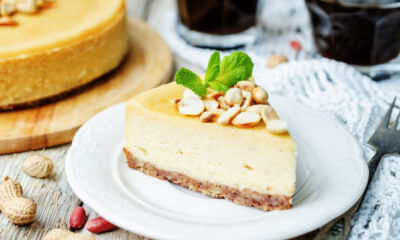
190,80
220,75
212,67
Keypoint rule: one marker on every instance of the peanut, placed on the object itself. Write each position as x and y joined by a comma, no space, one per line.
246,85
19,210
16,208
9,189
211,116
268,114
191,106
222,103
233,96
7,7
7,21
26,6
38,165
248,100
214,95
78,218
277,126
99,225
275,59
260,96
246,119
258,108
210,104
227,116
63,234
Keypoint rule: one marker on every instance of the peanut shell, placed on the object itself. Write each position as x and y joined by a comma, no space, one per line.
9,189
20,211
38,165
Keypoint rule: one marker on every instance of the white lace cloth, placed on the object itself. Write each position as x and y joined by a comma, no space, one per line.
322,84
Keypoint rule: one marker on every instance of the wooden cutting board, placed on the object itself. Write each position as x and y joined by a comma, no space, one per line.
149,64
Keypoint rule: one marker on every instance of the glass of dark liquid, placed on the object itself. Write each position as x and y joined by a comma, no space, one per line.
363,33
218,24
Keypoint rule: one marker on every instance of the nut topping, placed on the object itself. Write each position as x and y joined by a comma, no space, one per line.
191,106
7,21
246,119
244,105
268,114
210,104
222,103
233,96
277,126
227,116
214,95
260,96
26,6
248,100
211,116
257,108
7,7
10,7
246,85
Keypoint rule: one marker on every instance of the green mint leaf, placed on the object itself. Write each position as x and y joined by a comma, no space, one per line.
190,80
234,68
213,67
220,87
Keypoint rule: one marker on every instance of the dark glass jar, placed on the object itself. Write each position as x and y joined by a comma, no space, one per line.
358,32
206,22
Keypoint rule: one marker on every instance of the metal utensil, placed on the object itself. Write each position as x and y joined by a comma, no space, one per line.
385,140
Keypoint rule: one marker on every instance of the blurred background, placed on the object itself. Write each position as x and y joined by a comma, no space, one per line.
362,33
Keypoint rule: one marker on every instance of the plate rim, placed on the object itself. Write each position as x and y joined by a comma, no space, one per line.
153,234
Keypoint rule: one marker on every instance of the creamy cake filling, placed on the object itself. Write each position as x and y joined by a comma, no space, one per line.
244,197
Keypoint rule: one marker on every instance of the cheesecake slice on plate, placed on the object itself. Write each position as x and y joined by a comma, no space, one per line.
226,143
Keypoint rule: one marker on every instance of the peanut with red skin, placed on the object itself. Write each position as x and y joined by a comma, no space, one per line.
78,218
99,225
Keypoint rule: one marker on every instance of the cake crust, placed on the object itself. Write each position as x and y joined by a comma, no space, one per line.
244,197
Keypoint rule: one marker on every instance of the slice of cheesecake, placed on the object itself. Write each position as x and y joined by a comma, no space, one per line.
220,151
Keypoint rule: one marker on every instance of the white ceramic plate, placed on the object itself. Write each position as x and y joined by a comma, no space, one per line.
331,176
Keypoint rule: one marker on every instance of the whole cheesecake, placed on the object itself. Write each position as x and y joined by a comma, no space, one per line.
240,158
59,49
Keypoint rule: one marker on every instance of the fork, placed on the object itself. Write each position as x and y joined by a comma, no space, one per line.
385,140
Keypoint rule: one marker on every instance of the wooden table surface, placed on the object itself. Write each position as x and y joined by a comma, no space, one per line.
53,195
